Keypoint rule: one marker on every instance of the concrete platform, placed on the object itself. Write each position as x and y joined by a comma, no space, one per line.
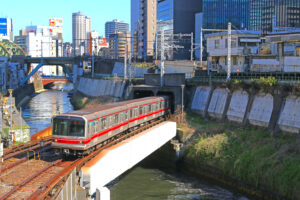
114,161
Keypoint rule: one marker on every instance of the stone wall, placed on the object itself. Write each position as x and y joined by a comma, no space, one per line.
278,112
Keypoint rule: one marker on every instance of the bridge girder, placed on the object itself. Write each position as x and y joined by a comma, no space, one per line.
8,49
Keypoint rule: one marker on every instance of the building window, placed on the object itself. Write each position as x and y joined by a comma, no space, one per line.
217,44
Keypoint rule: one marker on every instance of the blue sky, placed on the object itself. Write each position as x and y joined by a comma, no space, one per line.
38,12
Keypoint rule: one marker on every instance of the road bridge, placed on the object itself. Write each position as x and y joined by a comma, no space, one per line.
52,79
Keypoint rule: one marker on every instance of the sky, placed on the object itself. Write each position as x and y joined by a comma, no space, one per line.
37,12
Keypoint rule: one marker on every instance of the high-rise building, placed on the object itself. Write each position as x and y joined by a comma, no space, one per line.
265,15
81,27
21,39
147,29
165,21
118,44
278,14
134,24
115,26
184,22
217,14
6,29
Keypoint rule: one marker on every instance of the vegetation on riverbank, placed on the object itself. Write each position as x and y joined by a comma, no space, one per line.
250,155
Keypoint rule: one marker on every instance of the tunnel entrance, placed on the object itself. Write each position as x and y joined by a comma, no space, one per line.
142,93
171,99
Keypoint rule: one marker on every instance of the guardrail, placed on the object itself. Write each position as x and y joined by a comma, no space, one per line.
286,78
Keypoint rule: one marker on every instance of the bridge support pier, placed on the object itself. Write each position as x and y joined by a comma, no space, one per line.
103,194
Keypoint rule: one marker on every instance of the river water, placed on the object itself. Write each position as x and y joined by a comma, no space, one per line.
139,183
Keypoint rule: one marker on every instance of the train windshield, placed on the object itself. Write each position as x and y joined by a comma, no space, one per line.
68,127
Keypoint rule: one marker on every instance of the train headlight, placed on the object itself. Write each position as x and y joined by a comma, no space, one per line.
80,142
54,140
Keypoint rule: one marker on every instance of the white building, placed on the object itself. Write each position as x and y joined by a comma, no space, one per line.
6,29
40,43
81,27
243,45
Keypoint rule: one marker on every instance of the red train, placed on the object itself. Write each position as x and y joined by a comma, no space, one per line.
79,132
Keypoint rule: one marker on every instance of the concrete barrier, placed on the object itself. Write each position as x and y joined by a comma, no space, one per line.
115,160
97,87
237,107
218,103
200,100
289,120
261,110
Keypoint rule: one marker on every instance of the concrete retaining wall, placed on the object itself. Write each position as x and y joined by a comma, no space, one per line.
238,106
134,72
289,120
201,99
261,110
272,111
218,103
98,87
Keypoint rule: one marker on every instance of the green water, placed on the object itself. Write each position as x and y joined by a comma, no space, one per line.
153,184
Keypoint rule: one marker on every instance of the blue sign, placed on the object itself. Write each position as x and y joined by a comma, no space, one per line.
3,26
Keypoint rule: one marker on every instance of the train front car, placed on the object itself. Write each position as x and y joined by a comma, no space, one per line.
69,134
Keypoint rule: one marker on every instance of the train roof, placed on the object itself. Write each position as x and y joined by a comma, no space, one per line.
110,106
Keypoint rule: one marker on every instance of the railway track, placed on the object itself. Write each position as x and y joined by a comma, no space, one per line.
24,148
11,157
52,188
19,190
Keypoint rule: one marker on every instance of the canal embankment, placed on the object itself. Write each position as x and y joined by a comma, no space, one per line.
242,135
245,136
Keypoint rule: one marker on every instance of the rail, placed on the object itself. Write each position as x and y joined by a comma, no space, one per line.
53,186
29,179
23,148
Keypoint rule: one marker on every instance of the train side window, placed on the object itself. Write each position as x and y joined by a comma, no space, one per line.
149,109
121,117
141,110
124,116
104,123
116,119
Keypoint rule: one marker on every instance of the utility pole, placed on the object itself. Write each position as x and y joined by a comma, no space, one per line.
125,61
11,118
156,55
229,52
201,48
21,119
192,46
93,63
162,58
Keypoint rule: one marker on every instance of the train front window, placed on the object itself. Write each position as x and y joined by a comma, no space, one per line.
66,127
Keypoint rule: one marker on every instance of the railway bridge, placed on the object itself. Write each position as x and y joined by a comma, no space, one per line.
38,175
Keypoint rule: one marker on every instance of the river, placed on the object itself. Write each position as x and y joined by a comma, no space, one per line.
140,183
